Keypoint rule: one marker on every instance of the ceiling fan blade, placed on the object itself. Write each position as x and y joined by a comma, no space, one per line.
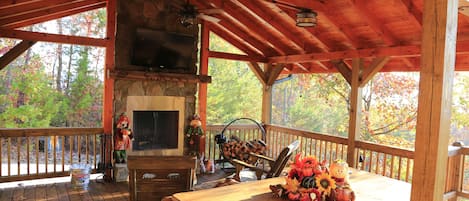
210,11
208,18
464,7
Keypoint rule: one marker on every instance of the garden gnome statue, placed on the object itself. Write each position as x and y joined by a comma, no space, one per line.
195,136
122,139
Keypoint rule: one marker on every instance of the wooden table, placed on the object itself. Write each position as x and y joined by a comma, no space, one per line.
367,187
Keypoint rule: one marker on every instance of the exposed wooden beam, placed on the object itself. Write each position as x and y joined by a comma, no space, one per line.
274,73
343,69
234,40
255,12
440,23
29,7
377,26
397,51
258,72
236,57
15,52
57,15
11,3
283,22
375,66
413,11
60,8
243,35
55,38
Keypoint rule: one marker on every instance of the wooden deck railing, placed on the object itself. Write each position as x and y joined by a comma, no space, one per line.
457,176
393,162
389,161
41,153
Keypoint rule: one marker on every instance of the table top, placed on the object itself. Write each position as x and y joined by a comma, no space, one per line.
367,187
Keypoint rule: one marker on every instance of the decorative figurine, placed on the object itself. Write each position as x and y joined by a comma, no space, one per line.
339,172
122,139
195,136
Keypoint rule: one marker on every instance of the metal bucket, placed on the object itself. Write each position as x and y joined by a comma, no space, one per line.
80,176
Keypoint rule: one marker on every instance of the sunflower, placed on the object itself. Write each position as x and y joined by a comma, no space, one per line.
325,183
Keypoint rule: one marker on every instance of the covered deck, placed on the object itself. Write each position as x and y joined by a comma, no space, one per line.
354,38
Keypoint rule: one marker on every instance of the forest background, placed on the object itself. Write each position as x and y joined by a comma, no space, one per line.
61,85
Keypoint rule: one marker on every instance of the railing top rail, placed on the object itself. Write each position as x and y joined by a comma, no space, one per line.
31,132
308,134
391,150
232,126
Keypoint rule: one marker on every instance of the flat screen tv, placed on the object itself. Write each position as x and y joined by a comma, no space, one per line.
163,50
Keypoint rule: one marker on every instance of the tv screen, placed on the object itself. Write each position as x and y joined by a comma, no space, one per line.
163,50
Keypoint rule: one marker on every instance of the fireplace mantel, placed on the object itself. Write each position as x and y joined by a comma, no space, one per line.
143,75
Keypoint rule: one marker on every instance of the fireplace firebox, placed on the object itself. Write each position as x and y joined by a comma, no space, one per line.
157,125
155,130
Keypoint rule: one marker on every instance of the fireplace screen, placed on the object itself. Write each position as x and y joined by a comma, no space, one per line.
155,130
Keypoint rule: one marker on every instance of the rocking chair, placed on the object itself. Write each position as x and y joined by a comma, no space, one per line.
276,165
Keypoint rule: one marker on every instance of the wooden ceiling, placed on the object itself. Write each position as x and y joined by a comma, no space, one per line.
345,29
265,30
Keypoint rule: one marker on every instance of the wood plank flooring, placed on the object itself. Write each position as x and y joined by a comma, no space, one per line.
97,190
65,192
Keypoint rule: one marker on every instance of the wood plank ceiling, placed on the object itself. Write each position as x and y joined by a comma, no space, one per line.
345,29
266,30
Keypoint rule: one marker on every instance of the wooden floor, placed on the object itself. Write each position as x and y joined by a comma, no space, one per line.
97,190
64,191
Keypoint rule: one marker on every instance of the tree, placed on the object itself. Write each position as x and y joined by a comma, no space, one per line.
235,91
29,101
321,103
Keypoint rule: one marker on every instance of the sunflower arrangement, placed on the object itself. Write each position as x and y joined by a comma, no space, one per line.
311,180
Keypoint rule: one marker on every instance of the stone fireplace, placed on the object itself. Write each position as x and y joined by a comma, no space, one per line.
149,88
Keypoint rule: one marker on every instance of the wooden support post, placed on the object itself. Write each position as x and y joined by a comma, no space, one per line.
109,84
267,96
355,111
203,70
266,104
15,52
434,111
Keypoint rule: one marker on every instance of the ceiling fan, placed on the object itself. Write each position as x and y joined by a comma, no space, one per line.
464,7
189,14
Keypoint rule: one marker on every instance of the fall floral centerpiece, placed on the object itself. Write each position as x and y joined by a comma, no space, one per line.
311,180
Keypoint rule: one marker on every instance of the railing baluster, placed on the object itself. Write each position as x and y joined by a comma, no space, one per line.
377,163
87,149
384,164
320,150
94,151
399,169
37,155
371,161
27,156
9,156
1,160
46,153
392,167
63,153
18,156
79,148
407,170
55,152
71,150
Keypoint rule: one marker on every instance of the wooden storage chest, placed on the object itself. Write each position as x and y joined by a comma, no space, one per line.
154,177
